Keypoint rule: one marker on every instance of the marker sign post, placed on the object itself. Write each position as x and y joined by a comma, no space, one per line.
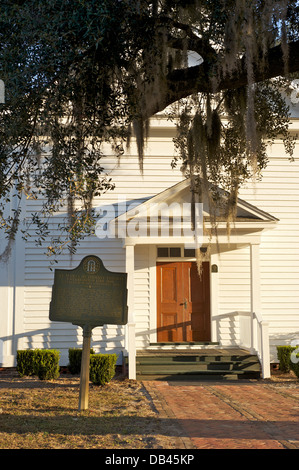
89,296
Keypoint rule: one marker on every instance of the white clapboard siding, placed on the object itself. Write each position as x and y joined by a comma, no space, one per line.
278,194
27,323
234,293
131,186
142,296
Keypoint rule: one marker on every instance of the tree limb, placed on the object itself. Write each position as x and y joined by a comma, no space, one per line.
199,79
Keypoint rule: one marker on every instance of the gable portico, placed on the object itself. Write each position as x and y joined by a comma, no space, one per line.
248,330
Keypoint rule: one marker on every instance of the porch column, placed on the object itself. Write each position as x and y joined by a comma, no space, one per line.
131,346
258,326
255,292
215,336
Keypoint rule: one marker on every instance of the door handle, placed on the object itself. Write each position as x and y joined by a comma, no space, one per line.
185,304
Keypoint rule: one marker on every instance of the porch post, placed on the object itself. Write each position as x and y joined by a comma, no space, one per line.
131,320
255,292
215,335
258,326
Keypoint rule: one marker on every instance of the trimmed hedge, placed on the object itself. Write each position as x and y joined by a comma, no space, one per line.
75,355
295,365
25,362
102,368
45,364
284,357
41,362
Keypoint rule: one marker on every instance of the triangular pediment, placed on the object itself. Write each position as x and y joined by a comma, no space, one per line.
170,215
180,194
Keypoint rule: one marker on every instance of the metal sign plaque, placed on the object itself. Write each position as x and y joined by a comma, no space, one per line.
89,295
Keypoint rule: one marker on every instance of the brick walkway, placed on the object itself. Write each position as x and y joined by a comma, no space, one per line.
249,415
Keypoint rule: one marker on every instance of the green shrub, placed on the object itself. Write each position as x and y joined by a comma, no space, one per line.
47,364
102,368
295,366
25,362
75,355
41,362
284,357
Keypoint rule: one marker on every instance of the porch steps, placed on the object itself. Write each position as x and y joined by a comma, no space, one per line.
201,364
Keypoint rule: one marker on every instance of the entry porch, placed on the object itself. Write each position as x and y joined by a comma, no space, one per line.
247,330
184,311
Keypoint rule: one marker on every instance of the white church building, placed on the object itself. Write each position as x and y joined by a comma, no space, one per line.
247,298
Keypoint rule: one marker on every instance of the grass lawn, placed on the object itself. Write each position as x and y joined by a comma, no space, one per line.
37,414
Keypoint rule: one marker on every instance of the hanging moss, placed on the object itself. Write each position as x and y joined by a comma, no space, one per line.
81,73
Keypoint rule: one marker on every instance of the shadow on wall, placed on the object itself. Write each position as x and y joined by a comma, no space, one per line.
67,337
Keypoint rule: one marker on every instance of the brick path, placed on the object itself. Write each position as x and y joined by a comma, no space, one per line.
249,415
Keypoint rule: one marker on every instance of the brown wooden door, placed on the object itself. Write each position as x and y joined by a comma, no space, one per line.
183,302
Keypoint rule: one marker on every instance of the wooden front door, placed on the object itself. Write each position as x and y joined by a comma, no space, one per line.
183,302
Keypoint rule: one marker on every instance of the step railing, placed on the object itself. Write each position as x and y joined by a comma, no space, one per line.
253,335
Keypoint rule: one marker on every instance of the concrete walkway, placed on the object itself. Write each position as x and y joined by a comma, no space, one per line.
231,415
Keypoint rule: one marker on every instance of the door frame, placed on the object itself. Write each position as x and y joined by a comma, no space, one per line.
213,281
181,324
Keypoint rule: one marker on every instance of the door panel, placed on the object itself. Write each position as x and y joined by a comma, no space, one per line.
169,285
183,302
200,303
168,278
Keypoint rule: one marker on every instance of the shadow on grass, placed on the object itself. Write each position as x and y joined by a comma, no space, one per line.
66,424
130,425
34,382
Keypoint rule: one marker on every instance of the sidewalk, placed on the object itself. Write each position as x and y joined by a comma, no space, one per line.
234,415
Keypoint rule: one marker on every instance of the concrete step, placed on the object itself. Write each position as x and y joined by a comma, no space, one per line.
182,359
197,365
207,375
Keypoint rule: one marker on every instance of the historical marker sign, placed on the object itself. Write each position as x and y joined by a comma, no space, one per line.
89,295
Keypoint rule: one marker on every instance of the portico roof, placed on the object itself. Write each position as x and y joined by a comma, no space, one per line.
168,206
